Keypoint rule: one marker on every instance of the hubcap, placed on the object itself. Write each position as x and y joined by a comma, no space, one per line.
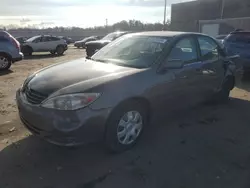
60,50
129,127
3,62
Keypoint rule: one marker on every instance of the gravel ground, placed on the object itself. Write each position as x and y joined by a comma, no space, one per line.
206,146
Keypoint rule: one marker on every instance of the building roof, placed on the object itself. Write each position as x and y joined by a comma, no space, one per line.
163,33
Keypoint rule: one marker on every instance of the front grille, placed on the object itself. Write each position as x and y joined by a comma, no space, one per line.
33,96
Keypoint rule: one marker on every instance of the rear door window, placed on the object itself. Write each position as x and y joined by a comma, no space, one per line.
45,39
184,50
37,39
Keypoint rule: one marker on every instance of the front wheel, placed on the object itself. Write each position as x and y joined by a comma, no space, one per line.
59,50
5,62
125,126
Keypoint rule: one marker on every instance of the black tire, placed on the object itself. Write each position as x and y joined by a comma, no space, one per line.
5,62
222,96
59,50
111,139
27,50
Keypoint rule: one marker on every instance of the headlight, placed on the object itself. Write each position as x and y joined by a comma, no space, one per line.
70,101
27,80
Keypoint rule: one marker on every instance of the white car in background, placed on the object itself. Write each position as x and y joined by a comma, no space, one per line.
44,43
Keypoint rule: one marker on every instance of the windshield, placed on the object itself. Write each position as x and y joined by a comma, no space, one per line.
132,51
111,36
32,38
87,38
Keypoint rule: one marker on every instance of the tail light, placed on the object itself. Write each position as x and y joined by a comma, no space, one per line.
15,42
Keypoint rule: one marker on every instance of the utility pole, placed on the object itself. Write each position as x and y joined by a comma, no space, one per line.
222,9
165,12
106,22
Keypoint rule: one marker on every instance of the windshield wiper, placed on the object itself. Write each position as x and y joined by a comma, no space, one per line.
100,60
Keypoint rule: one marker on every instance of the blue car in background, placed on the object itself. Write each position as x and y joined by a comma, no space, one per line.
10,51
238,43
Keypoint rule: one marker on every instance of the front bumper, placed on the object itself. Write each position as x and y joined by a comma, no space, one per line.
77,45
18,58
67,128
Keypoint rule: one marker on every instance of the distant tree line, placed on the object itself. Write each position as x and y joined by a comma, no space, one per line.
131,25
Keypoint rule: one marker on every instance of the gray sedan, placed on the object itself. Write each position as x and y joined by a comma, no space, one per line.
113,95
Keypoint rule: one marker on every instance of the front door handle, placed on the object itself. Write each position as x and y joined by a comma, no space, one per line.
183,77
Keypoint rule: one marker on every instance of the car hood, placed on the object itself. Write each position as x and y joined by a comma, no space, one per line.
54,78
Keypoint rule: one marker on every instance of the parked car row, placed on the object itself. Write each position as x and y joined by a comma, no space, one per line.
82,43
93,46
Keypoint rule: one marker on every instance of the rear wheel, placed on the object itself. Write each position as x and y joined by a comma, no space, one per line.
59,50
222,96
27,51
125,126
5,62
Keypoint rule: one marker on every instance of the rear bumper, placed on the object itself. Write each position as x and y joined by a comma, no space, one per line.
19,58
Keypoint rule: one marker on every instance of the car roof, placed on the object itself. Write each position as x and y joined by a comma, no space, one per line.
4,33
240,32
165,33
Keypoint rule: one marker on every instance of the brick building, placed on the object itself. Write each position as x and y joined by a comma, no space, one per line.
211,16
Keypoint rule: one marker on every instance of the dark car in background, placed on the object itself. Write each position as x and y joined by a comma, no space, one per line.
81,43
21,40
112,96
93,46
238,43
67,39
220,38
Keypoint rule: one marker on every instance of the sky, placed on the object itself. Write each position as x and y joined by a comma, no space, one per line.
81,13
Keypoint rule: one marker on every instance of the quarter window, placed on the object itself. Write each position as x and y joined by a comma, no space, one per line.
54,39
184,50
209,48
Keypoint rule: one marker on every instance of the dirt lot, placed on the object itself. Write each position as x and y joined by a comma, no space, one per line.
207,146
